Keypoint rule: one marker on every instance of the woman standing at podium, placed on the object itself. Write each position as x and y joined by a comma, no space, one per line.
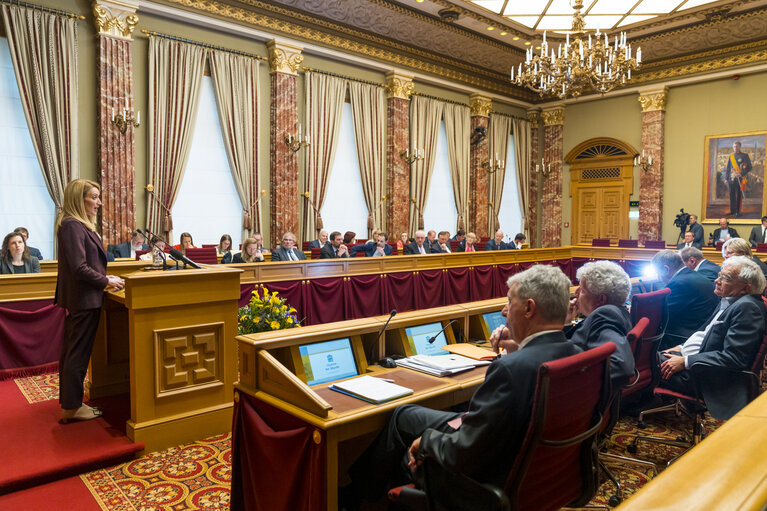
80,286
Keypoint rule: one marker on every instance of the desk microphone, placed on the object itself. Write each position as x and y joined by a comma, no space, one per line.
177,254
430,340
387,361
147,234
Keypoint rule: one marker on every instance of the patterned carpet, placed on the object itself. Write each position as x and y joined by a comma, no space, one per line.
39,388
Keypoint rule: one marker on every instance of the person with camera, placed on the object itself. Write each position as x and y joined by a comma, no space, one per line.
697,230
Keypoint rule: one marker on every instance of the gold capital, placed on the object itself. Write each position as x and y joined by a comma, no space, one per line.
284,58
533,116
553,116
399,85
480,105
652,100
115,18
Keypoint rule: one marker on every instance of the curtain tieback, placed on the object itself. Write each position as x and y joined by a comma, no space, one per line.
247,220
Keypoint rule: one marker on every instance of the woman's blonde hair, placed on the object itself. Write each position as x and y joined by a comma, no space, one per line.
244,252
74,203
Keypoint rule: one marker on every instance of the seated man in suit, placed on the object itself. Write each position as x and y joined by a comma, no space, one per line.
335,248
379,248
442,245
287,251
694,260
497,242
321,241
32,250
129,248
260,243
697,230
692,298
419,246
758,233
483,442
459,236
689,241
431,238
519,239
723,232
730,340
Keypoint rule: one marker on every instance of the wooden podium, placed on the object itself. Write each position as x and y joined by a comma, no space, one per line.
168,339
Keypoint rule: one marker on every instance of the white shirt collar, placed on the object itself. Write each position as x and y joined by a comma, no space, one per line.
530,337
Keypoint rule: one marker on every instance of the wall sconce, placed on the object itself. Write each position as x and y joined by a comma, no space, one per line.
644,162
495,165
543,168
411,158
125,119
295,143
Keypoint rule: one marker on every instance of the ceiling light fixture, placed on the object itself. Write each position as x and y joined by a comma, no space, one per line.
585,63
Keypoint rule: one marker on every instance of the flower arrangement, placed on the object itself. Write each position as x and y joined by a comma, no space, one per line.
265,313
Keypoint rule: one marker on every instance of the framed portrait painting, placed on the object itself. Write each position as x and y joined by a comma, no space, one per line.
733,181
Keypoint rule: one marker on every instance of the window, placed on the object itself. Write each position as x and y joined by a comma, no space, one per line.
207,205
24,198
510,215
344,208
440,213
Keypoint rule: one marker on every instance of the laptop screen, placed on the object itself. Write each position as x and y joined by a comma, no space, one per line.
328,361
418,338
493,320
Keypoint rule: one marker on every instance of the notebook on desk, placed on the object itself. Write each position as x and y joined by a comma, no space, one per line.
371,389
444,365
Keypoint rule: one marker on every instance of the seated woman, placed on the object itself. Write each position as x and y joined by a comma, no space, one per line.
249,254
158,244
740,247
224,245
402,241
186,242
15,258
468,243
350,238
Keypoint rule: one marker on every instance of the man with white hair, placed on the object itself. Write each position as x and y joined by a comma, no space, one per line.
727,344
321,241
497,242
419,246
694,260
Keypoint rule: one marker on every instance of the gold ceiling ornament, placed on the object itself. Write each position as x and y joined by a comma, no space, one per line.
480,105
534,116
652,100
399,85
284,58
583,65
115,18
553,116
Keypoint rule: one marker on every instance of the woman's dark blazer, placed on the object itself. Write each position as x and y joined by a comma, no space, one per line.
82,267
31,265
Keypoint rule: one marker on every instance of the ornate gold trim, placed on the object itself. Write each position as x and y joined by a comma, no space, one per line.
687,28
652,101
284,58
480,105
553,116
115,18
533,116
399,85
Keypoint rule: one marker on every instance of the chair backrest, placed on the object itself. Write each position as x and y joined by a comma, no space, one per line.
761,247
305,246
316,253
655,244
600,242
651,306
202,255
643,369
209,245
719,245
628,243
480,245
139,253
361,253
454,245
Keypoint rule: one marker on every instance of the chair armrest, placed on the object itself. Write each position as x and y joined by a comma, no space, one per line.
457,491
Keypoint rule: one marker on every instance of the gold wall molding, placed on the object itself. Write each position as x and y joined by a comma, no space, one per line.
534,116
115,18
695,26
480,105
653,100
553,116
284,58
399,85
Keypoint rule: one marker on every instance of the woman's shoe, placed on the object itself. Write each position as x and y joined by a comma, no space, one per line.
84,413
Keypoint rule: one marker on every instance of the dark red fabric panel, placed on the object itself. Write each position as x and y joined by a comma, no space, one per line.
293,292
246,292
398,291
482,283
325,300
365,296
502,274
31,305
276,463
30,338
428,289
566,266
457,286
577,262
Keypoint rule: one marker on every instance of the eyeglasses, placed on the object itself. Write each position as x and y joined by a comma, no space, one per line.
725,277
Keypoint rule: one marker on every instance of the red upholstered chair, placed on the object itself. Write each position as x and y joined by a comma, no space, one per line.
361,253
480,245
628,243
719,245
209,245
656,244
202,255
454,245
556,464
139,253
305,246
361,241
600,242
316,253
761,247
650,306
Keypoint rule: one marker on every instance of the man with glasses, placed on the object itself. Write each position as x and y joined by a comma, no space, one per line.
286,251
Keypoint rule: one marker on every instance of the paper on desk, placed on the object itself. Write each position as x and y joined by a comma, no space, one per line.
446,362
374,390
470,351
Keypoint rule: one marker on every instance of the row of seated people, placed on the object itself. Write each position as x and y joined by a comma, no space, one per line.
483,442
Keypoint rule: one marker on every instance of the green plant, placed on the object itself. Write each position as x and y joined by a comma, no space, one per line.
266,312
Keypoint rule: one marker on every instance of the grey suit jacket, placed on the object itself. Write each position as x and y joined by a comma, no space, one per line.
756,235
32,265
280,254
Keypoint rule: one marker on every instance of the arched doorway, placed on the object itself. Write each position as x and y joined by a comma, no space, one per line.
601,182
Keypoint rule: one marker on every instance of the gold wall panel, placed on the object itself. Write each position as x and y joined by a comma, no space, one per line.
188,358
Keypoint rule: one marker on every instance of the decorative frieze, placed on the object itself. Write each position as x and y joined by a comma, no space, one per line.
284,58
115,18
399,85
653,100
553,116
480,105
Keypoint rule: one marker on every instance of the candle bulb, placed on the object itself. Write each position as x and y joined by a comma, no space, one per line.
138,117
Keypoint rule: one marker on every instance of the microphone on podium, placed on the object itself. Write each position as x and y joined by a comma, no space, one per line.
431,340
383,360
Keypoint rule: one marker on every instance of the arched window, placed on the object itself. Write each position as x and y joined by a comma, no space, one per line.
439,213
207,205
510,215
24,198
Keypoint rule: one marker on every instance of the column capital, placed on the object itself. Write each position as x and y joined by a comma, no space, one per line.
534,116
554,116
399,85
480,105
115,18
284,58
653,99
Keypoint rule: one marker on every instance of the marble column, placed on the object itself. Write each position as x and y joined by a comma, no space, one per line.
479,155
399,88
651,180
532,180
115,21
284,63
551,200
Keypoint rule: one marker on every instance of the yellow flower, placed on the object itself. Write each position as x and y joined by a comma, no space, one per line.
290,321
292,310
276,293
274,325
242,318
256,319
283,309
298,325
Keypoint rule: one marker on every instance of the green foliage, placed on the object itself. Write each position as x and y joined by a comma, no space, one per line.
266,312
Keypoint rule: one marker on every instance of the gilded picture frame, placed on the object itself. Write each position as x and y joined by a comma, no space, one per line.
733,182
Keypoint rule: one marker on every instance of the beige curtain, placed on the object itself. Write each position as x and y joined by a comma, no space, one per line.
425,116
44,54
522,140
369,114
500,127
235,82
458,128
175,78
324,100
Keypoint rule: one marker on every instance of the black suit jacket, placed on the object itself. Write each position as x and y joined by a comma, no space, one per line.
123,249
607,323
327,252
709,270
412,248
697,230
35,252
680,246
437,249
715,236
491,432
756,235
732,343
690,304
492,245
82,267
280,254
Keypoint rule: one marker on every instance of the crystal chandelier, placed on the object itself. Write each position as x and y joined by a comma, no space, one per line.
584,63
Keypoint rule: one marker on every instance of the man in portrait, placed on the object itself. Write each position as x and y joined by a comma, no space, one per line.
738,165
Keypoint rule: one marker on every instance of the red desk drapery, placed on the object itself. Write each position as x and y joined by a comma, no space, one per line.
29,338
